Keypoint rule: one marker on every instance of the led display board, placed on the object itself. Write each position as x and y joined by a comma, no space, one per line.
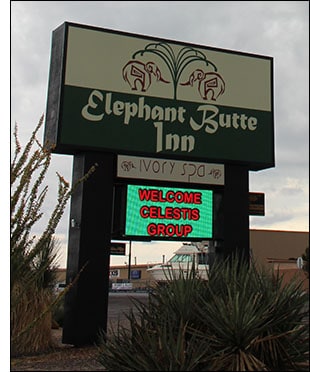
169,213
133,94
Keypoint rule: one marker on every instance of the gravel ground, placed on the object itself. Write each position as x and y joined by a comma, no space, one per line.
69,358
63,358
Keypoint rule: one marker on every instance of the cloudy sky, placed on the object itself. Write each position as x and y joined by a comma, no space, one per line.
278,29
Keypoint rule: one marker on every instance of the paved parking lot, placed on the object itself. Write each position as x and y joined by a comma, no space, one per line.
120,303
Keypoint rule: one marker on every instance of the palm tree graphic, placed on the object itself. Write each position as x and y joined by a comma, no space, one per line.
175,63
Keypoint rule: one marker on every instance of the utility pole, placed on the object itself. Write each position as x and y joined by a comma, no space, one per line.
129,260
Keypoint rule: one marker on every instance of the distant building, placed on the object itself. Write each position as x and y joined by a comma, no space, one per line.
271,248
280,250
278,244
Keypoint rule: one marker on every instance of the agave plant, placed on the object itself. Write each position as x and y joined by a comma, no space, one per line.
158,337
242,319
252,321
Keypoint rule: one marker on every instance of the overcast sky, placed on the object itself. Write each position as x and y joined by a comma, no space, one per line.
278,29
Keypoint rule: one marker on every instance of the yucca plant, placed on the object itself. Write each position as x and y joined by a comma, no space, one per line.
159,336
252,321
243,318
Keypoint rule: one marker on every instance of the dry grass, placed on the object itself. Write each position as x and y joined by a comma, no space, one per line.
28,334
61,358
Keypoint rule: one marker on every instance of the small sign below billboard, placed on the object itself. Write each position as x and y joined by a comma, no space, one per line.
256,204
169,170
118,249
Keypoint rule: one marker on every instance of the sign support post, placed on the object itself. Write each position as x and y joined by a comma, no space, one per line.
112,94
86,303
236,212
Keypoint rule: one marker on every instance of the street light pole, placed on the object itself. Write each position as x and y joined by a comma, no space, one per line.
129,261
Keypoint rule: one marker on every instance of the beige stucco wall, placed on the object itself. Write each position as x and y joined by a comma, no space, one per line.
275,249
278,244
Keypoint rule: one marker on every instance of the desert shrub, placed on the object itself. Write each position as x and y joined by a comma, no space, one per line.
33,258
30,312
305,257
58,312
242,319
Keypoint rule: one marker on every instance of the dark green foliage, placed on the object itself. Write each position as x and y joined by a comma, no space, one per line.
242,319
253,320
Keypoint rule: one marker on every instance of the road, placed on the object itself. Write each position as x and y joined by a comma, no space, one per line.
120,303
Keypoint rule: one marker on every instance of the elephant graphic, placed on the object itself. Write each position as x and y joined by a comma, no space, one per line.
127,166
211,85
139,75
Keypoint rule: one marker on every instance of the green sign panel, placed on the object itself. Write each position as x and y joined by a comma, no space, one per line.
169,213
131,94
